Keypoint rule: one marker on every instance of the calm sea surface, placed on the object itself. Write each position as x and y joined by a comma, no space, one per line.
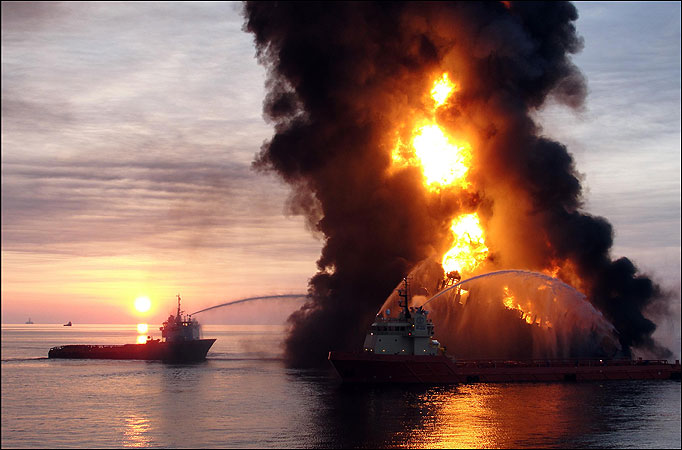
243,396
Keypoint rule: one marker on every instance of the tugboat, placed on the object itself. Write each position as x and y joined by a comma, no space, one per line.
403,350
68,324
180,342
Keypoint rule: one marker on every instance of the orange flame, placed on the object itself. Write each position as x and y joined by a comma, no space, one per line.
445,163
442,89
510,302
469,249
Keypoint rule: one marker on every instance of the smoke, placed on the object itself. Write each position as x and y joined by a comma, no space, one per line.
346,81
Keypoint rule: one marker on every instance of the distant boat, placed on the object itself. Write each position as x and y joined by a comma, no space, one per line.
68,324
29,321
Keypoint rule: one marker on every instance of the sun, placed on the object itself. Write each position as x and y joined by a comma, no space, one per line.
142,304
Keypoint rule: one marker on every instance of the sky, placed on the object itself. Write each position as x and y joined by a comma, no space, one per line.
128,132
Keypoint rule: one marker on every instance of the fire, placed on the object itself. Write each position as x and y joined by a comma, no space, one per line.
469,249
565,270
442,89
510,302
445,163
508,299
552,271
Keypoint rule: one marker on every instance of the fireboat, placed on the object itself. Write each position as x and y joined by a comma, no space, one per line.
403,350
180,342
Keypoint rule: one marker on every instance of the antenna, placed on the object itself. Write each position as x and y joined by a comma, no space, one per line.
404,293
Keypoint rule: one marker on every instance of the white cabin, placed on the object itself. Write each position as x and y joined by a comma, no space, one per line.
410,334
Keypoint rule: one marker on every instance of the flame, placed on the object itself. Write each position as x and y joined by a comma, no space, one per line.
508,299
469,249
444,162
510,302
442,89
552,271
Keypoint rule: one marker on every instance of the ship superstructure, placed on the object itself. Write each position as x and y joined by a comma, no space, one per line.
180,328
411,333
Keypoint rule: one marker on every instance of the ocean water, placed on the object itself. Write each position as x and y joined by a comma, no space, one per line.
244,397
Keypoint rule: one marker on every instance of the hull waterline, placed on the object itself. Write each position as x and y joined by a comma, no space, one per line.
180,351
440,369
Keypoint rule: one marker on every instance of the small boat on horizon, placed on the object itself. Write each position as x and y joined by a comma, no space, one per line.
29,321
68,324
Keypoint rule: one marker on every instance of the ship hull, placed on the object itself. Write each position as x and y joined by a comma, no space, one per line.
440,369
179,351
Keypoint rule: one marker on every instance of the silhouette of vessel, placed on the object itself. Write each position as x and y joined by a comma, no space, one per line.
181,342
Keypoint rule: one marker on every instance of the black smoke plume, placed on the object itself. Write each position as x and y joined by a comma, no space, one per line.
345,80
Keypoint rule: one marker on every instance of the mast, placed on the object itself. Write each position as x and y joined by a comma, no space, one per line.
404,293
178,306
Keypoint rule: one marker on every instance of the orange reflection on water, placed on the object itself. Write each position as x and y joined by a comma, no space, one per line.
460,421
141,339
135,433
495,416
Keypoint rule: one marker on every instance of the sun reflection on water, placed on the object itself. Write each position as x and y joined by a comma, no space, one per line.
136,432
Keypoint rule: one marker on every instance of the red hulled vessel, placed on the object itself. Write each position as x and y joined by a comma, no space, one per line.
402,350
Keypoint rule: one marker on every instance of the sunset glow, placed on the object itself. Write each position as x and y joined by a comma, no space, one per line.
143,304
142,328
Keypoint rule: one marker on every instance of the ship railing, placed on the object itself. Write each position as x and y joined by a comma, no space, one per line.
86,346
569,362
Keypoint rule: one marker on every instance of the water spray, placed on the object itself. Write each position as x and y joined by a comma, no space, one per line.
249,299
552,281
